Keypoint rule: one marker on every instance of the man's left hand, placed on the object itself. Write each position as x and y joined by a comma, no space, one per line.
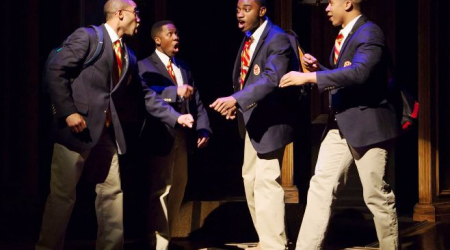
202,142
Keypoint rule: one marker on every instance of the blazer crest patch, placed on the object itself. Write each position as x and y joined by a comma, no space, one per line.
347,63
256,70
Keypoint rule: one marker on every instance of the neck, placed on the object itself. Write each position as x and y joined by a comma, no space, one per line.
351,15
115,26
261,21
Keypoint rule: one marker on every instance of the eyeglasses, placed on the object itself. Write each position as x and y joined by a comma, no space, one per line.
135,11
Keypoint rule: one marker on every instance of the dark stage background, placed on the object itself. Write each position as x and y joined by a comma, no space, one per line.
210,40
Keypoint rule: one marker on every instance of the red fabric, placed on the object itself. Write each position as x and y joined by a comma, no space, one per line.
337,46
118,52
245,59
171,72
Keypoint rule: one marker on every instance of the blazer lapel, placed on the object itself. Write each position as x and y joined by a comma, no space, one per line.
161,67
362,20
260,42
258,47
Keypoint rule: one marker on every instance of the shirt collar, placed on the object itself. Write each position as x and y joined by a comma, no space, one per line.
258,32
348,28
164,58
112,34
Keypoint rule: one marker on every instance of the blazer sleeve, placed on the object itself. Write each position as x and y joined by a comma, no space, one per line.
157,107
168,93
277,63
66,65
369,44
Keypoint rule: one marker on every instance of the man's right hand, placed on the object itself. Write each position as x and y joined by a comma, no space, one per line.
185,91
310,63
76,123
186,120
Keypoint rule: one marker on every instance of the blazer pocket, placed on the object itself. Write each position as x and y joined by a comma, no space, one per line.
82,108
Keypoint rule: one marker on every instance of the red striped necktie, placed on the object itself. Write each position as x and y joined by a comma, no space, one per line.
118,53
338,45
245,59
171,72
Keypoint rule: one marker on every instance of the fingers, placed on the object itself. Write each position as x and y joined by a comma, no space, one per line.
189,91
309,59
293,78
310,62
225,106
185,91
231,114
218,105
79,128
286,80
186,120
202,142
76,123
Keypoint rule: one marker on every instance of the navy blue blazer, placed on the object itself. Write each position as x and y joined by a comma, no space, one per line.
267,112
154,74
92,92
358,87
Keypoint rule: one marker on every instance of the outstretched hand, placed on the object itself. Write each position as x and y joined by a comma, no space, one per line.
226,106
295,78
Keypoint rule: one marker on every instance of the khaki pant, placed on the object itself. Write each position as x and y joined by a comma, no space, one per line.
66,169
265,196
334,160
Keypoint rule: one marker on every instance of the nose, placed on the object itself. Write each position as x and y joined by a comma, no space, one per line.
328,9
239,14
138,20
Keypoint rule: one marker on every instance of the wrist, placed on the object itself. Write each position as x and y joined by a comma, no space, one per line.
312,77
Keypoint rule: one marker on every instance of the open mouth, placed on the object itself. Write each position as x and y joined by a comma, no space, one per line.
176,48
241,24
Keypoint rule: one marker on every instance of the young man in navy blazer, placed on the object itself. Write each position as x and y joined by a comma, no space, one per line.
165,149
88,113
361,128
266,117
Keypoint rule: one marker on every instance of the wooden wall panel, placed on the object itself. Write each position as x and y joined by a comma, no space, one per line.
444,100
434,205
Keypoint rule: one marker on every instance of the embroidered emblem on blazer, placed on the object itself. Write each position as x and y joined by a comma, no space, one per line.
347,63
256,70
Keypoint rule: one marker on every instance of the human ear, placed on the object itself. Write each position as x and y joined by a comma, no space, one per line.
262,11
348,5
157,41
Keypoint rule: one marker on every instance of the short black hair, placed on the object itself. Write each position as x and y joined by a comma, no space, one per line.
156,28
261,3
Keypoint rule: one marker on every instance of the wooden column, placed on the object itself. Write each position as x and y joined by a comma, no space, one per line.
283,18
433,204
